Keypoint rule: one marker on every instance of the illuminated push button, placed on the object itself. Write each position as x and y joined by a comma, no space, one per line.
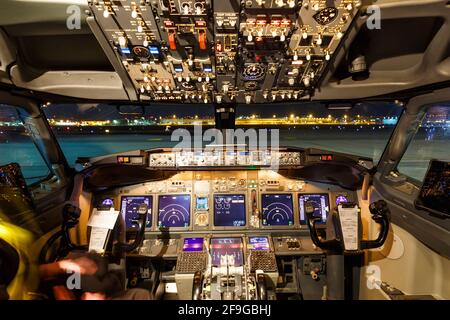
122,42
172,41
202,39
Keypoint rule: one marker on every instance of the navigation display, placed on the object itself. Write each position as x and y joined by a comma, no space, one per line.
226,251
174,210
258,243
320,202
229,210
193,244
129,208
435,192
277,210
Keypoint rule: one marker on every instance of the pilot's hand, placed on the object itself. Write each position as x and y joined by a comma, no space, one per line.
82,265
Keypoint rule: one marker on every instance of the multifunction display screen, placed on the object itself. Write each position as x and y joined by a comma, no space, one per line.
258,243
174,211
277,210
229,210
129,208
193,244
320,202
226,251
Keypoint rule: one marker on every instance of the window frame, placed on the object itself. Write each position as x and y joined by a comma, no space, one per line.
425,111
32,141
400,191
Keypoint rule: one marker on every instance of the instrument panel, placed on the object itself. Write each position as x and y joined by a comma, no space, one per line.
232,200
224,51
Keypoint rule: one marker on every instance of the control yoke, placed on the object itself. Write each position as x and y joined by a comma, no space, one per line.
381,215
348,227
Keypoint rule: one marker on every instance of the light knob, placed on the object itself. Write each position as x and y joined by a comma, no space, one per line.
106,12
134,13
306,81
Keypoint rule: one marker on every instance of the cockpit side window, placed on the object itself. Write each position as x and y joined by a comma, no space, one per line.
16,145
431,141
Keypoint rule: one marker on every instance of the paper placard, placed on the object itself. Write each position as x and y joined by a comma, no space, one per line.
103,218
98,239
348,218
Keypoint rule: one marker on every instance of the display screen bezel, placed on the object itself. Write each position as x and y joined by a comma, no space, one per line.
214,211
149,220
267,226
201,239
242,247
250,245
189,211
304,221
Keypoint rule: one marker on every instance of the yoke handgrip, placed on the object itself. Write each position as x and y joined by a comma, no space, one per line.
141,222
333,244
380,214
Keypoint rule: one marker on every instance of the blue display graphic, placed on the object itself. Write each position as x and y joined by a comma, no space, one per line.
223,250
174,210
229,210
320,202
193,244
341,199
258,243
201,203
108,202
129,208
277,210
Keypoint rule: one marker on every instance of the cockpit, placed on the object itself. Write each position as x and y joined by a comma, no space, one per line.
225,150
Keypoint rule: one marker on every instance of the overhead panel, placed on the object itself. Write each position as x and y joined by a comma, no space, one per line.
204,51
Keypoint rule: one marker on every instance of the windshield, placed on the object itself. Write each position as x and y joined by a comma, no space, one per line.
89,130
362,130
